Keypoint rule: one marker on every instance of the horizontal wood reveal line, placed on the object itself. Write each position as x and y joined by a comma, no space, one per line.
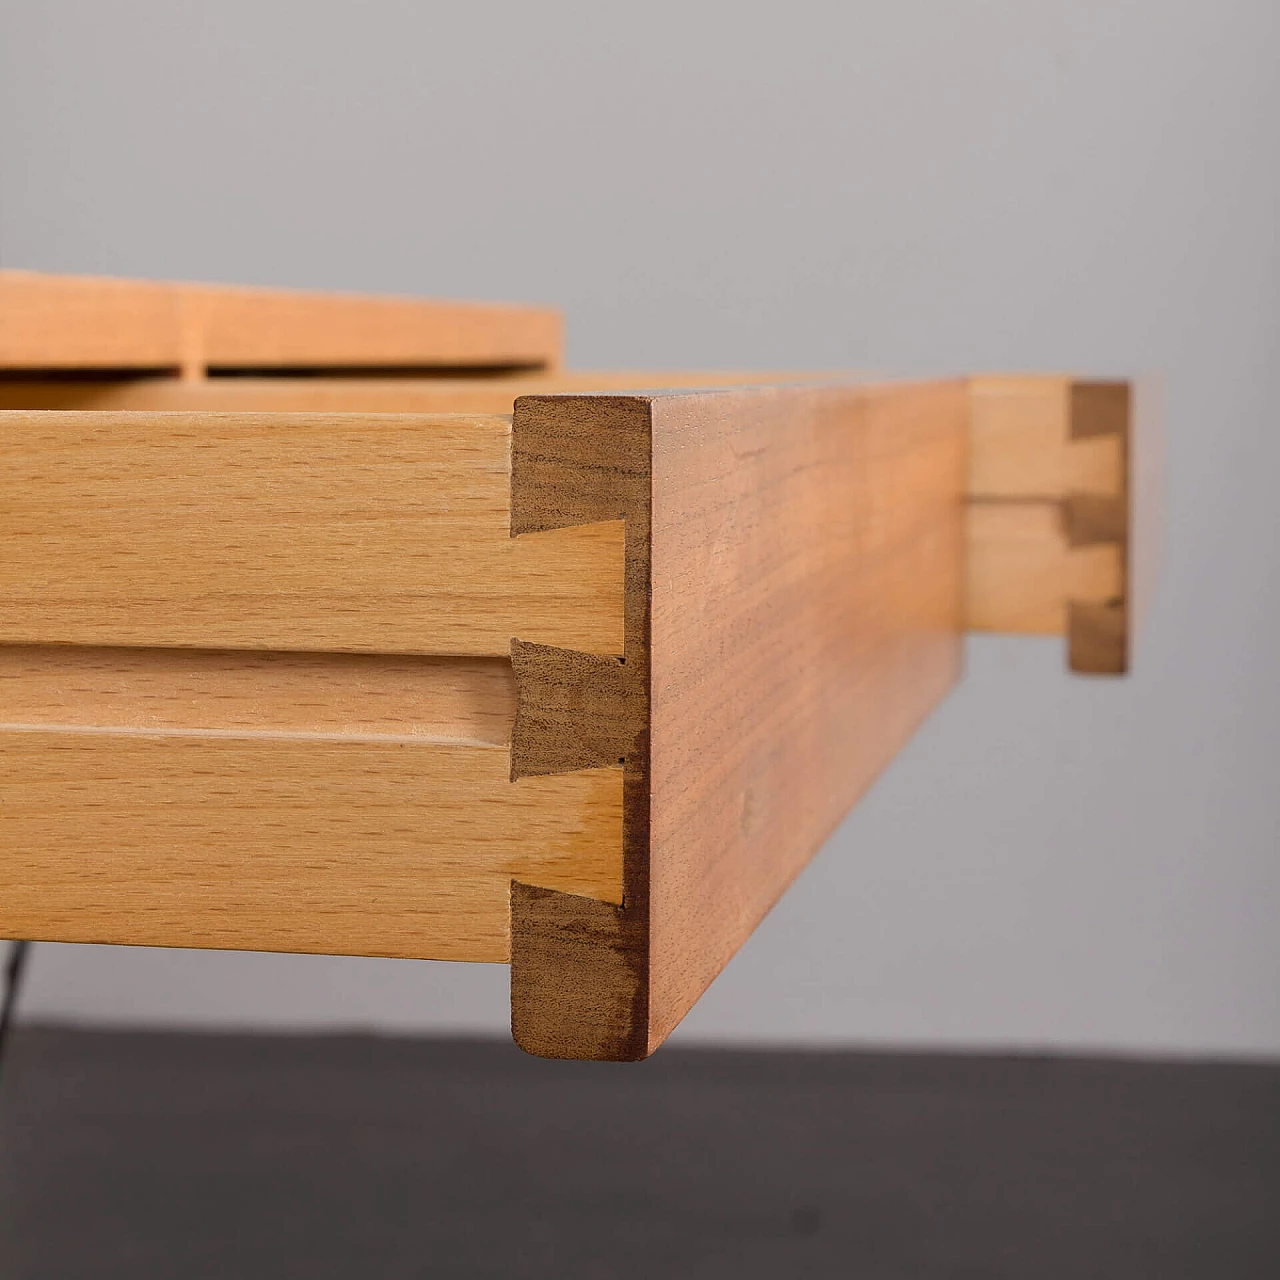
238,693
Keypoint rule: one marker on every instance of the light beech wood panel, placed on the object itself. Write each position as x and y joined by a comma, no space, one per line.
355,847
470,701
378,533
85,323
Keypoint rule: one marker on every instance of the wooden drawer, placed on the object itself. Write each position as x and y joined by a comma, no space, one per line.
570,676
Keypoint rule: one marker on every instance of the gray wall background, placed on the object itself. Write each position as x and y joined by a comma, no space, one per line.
915,187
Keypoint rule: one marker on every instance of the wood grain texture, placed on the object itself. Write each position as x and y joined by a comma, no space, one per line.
354,847
579,976
794,595
587,689
579,970
575,710
1050,514
357,802
377,533
1053,445
467,701
807,606
79,322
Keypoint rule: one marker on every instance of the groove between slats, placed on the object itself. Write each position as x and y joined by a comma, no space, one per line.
405,698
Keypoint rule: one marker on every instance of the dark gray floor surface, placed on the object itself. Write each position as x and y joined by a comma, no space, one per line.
185,1157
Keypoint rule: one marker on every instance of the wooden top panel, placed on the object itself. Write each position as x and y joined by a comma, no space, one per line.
50,322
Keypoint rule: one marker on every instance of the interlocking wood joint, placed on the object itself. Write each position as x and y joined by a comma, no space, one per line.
580,968
573,711
1049,510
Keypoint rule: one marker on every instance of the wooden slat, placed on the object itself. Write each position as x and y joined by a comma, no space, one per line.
795,592
357,847
84,323
384,534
